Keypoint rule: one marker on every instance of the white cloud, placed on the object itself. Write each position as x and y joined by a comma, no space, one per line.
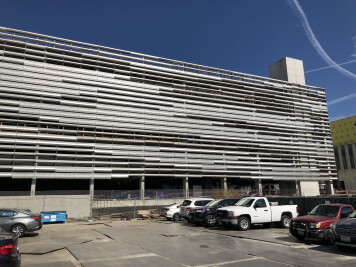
341,99
311,36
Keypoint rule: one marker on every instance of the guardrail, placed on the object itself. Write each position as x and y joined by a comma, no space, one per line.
179,193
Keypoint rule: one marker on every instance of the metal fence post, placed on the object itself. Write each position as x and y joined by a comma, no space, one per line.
134,215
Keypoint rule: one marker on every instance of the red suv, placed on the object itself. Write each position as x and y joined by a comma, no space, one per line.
317,223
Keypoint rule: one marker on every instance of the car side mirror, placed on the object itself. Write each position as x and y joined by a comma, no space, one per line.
344,215
256,206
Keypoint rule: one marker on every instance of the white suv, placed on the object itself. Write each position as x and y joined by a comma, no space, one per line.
171,212
191,203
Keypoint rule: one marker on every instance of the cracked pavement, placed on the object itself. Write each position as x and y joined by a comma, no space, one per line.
164,243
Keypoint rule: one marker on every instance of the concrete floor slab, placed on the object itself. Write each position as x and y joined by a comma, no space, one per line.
170,229
181,250
175,244
46,247
53,264
136,262
113,248
57,256
273,235
256,262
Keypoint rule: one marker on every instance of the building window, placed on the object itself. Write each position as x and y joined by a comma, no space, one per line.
351,156
336,153
343,155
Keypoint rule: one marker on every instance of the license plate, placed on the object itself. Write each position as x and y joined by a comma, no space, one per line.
300,232
345,239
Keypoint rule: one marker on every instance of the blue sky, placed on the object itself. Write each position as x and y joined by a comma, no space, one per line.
245,35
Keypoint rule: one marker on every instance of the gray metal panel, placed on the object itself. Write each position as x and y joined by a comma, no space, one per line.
155,115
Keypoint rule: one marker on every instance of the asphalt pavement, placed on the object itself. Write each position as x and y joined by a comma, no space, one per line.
166,243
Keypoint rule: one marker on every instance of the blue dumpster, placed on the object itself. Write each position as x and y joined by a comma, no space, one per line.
54,216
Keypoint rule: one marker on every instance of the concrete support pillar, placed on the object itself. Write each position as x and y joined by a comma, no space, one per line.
34,181
186,187
297,188
258,186
33,187
224,183
142,187
91,188
330,187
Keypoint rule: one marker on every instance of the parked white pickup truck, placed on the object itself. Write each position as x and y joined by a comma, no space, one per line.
255,210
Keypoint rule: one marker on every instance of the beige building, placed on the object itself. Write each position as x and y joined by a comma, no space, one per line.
343,133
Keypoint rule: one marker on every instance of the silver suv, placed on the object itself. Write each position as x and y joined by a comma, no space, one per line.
191,203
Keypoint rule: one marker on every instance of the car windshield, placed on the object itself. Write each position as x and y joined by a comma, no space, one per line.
247,202
325,210
214,203
353,215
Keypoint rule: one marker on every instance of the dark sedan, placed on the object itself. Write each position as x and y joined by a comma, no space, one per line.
9,253
207,215
19,221
344,231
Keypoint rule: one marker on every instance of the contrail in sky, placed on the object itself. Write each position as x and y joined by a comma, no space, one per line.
311,36
328,67
341,99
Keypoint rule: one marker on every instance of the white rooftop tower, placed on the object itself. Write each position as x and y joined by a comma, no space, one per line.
288,69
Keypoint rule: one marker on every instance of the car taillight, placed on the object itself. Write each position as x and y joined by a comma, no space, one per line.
38,218
8,250
166,209
189,208
297,210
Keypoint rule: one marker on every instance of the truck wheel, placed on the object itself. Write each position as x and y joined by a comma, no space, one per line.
243,223
285,221
210,220
176,217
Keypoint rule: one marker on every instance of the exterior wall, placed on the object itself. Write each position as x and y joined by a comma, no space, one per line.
140,203
349,178
77,207
343,134
348,174
81,111
343,131
309,188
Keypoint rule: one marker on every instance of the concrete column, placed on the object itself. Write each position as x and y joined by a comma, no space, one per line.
142,187
341,164
224,183
186,187
297,187
348,160
33,182
258,186
91,188
33,187
330,187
